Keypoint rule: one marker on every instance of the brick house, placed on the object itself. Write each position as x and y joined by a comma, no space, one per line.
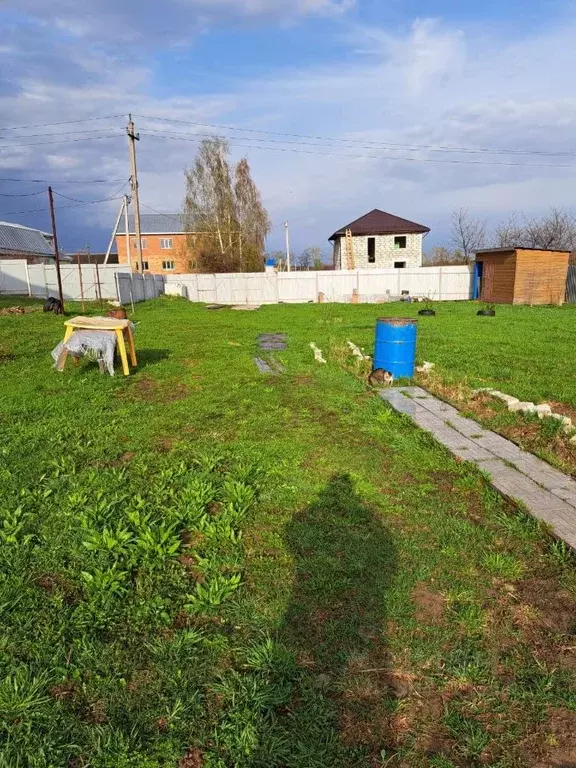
20,242
165,244
380,240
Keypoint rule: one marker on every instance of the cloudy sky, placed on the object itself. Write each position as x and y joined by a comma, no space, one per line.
341,106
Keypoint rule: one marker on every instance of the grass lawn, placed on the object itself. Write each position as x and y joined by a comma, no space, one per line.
203,566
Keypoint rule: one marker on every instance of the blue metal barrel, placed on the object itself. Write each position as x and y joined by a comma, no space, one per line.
395,350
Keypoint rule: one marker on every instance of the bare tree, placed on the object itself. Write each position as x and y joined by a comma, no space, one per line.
311,257
305,259
557,229
225,206
468,233
509,233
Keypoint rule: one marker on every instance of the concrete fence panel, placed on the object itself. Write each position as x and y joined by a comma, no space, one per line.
438,283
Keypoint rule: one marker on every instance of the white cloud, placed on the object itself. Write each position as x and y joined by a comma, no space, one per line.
427,84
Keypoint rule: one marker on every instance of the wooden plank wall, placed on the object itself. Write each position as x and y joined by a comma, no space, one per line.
540,276
501,289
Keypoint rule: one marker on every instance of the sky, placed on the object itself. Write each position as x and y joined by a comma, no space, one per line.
340,106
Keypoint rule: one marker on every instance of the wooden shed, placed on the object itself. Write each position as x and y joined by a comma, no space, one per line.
521,275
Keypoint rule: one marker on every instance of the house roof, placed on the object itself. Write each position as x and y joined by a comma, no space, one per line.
381,223
16,238
155,224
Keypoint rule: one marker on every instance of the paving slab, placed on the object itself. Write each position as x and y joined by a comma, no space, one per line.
547,493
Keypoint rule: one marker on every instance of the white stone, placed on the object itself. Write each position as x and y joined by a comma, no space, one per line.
524,407
573,440
566,421
489,390
543,410
426,367
317,353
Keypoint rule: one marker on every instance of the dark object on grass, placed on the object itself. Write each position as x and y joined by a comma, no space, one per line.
380,377
427,313
53,305
488,310
272,341
216,306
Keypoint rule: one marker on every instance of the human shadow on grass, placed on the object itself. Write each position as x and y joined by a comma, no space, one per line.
344,693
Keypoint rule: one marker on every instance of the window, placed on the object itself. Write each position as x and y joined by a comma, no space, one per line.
144,266
371,250
191,266
166,243
143,243
168,265
400,242
399,265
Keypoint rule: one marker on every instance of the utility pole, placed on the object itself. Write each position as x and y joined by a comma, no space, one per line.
133,137
56,251
287,246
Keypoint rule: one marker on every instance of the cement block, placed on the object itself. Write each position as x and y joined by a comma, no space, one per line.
522,406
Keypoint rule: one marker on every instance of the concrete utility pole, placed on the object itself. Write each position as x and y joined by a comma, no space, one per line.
56,251
287,246
133,137
127,228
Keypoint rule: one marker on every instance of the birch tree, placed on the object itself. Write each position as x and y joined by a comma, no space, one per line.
224,205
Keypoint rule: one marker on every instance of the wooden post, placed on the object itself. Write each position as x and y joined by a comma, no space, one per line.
56,251
98,282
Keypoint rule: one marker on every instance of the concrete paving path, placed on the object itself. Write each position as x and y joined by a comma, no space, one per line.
548,494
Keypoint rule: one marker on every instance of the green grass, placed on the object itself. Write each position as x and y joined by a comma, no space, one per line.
201,565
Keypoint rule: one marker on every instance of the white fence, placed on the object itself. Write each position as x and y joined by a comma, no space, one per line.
133,287
438,283
90,281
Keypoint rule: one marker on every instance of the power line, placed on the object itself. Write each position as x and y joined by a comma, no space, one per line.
360,141
24,194
327,146
62,181
113,196
57,133
372,157
62,207
63,141
61,122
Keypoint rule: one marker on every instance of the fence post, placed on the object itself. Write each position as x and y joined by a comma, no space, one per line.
28,279
439,283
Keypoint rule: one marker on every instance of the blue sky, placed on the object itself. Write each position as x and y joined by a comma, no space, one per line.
390,83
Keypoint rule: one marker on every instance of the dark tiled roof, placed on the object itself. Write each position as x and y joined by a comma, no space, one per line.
381,223
15,238
155,223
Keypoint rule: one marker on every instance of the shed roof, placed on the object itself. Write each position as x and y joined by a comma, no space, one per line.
509,249
379,222
155,224
16,238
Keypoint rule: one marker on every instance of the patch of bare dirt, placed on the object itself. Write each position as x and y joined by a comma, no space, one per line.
13,311
430,606
52,582
150,390
555,608
192,759
556,747
65,690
